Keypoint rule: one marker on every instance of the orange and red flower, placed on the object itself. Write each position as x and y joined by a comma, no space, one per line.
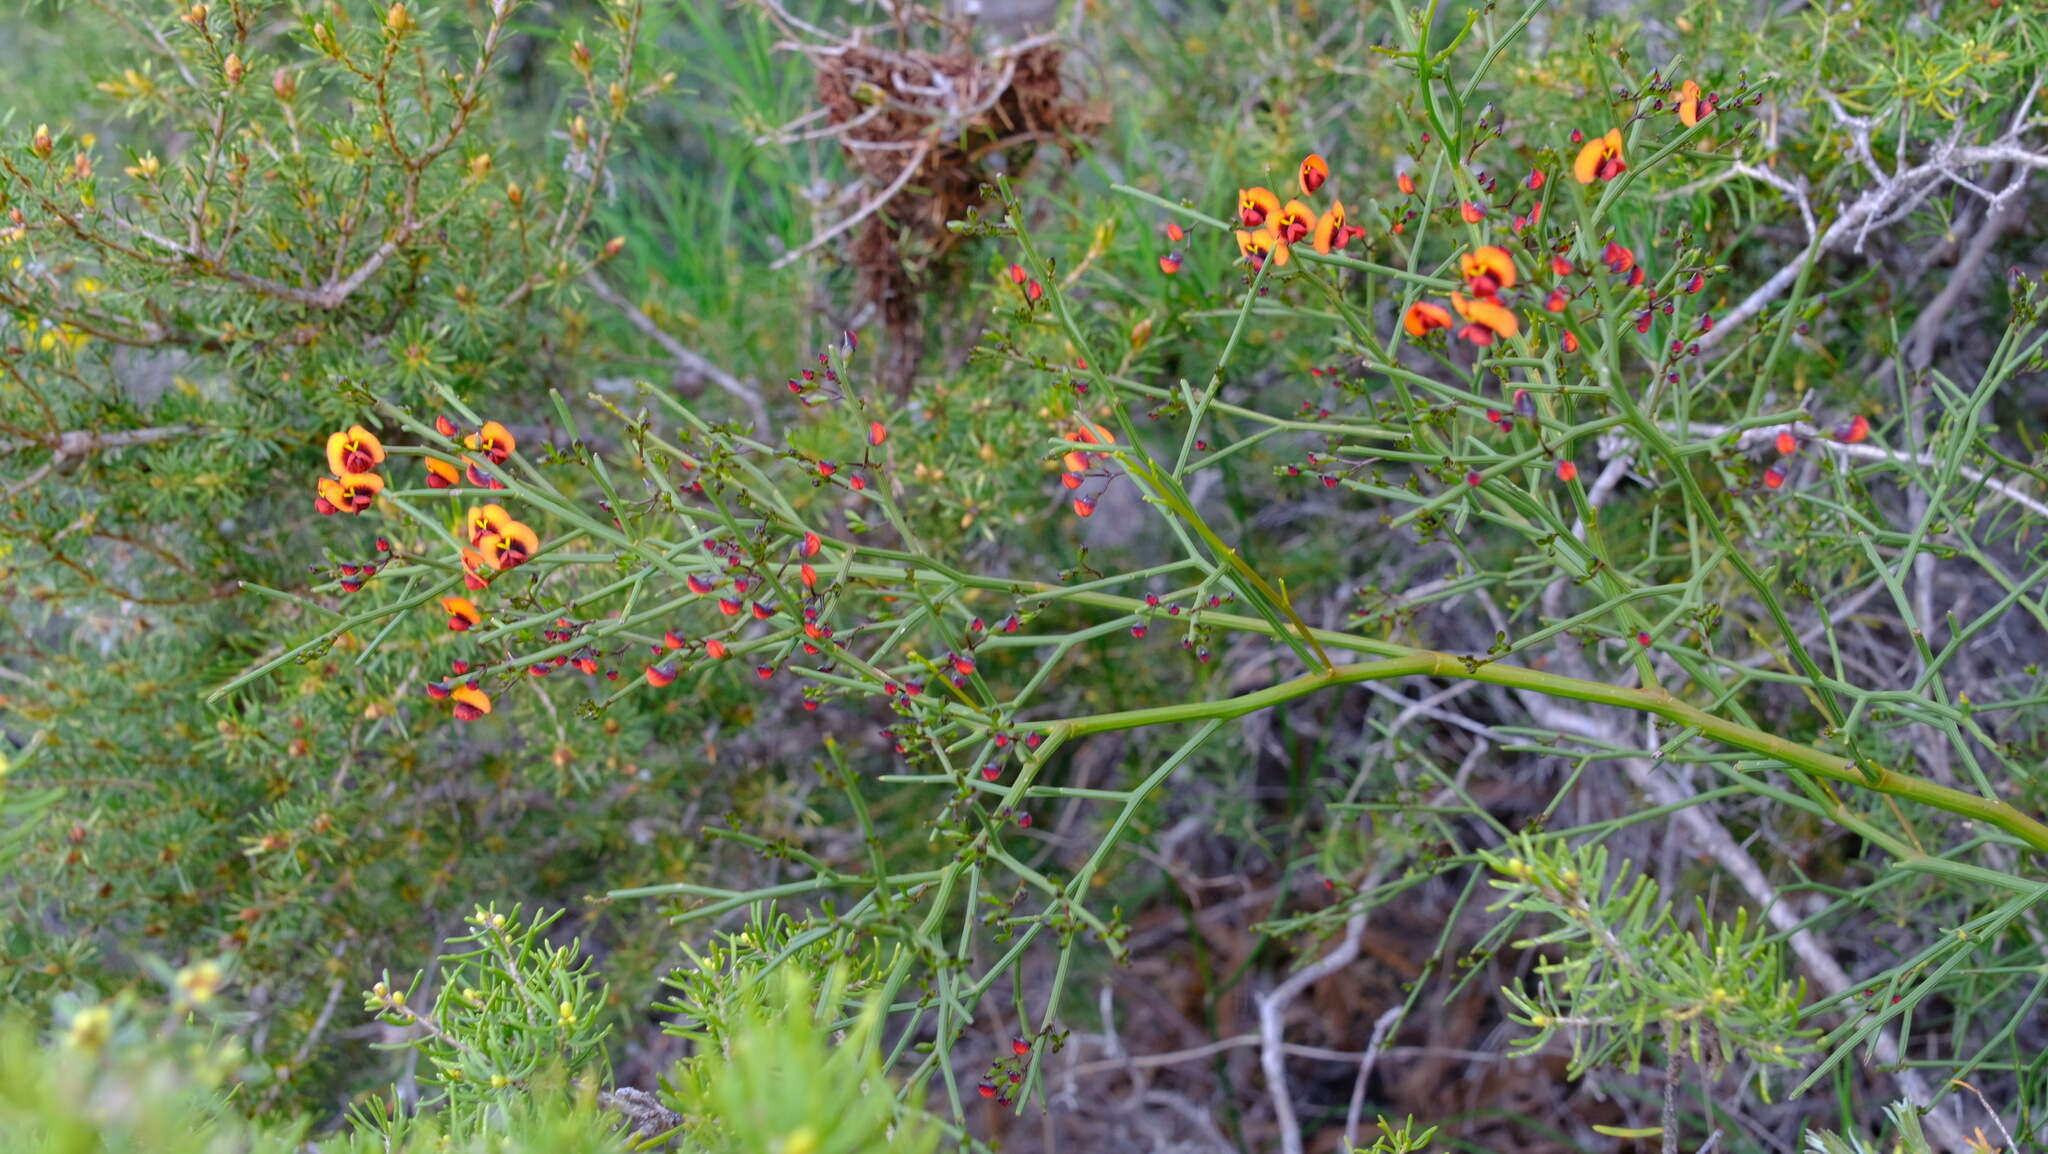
1254,205
1295,221
1423,317
486,520
1258,246
470,702
441,474
352,456
509,547
1691,107
1487,270
1332,231
356,450
493,441
348,493
476,572
463,615
1314,172
1600,158
1487,319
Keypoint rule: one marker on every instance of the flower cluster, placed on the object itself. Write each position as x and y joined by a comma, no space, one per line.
1488,271
1271,228
1079,466
493,441
498,542
352,459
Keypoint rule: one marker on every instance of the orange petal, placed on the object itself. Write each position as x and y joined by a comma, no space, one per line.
355,450
1295,222
442,475
1329,226
358,490
470,702
1600,159
1091,433
475,570
1256,205
1586,167
1488,313
1489,261
496,441
1424,316
510,547
487,521
463,615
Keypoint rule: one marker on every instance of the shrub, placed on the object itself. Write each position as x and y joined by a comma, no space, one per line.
1472,491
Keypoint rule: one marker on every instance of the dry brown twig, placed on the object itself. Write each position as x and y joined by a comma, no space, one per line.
1891,197
691,366
918,128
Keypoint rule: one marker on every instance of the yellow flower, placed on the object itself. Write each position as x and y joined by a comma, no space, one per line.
199,982
90,1028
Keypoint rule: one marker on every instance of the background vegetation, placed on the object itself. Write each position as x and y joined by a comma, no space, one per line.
1352,774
